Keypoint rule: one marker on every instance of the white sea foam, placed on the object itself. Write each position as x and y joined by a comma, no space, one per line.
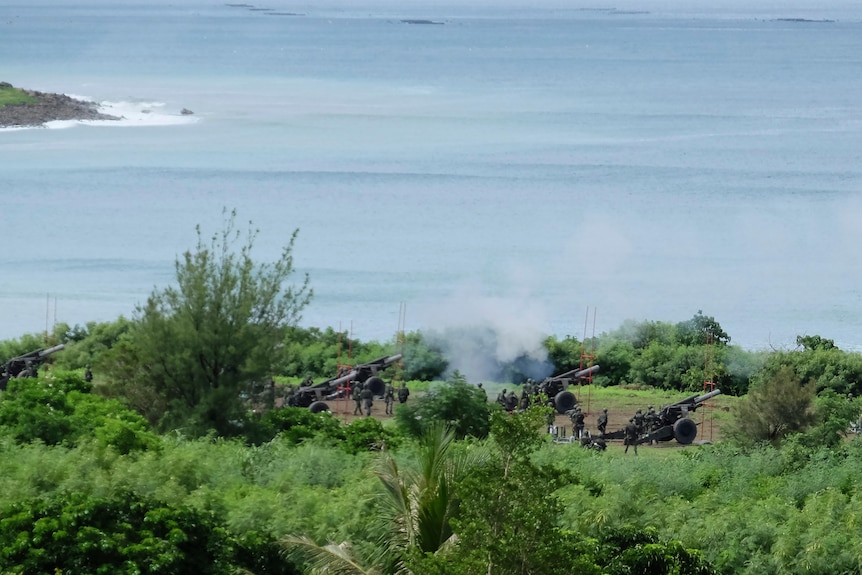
130,113
141,113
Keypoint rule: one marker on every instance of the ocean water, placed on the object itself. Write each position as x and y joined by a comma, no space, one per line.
556,168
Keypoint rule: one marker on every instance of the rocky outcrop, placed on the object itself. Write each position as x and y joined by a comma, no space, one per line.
47,108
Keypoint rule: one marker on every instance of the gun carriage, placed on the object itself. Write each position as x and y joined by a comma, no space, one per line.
557,388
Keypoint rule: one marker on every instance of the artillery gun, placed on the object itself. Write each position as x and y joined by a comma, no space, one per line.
672,421
556,388
314,396
26,365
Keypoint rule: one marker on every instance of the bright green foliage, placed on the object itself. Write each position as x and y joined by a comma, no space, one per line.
564,354
122,535
203,341
319,353
59,410
422,360
86,345
821,362
834,414
774,409
508,514
632,551
294,425
415,505
368,434
455,403
701,330
297,424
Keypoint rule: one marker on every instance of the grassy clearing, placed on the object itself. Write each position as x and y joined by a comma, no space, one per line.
14,96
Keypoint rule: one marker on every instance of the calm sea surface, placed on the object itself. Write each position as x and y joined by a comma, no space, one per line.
507,168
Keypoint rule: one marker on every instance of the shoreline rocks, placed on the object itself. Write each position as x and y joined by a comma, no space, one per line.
47,108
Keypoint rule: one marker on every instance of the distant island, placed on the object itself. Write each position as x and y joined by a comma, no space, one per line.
27,108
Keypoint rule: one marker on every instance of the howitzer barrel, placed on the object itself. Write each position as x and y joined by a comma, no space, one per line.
578,373
50,350
701,398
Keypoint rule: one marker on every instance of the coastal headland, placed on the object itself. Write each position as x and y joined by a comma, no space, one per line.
27,108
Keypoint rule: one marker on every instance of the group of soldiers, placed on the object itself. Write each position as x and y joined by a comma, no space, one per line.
531,393
363,398
640,424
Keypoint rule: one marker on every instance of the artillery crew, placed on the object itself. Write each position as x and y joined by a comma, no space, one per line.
403,393
631,437
501,398
524,404
511,401
367,399
355,393
638,421
389,398
651,419
577,418
602,423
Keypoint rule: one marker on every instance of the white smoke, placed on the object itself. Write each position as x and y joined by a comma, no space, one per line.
482,335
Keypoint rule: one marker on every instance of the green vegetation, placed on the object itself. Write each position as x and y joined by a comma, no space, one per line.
173,460
10,95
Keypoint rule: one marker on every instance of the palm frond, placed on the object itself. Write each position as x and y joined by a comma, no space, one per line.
331,559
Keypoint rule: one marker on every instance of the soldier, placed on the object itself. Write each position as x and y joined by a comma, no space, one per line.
403,393
355,393
577,418
511,402
88,375
602,423
367,400
480,392
631,437
501,398
650,419
529,386
638,421
579,421
524,404
389,398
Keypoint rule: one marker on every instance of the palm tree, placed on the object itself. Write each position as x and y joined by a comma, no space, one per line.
417,505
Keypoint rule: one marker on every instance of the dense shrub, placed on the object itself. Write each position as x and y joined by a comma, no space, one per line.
457,404
120,535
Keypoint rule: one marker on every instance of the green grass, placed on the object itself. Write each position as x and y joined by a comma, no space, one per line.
15,96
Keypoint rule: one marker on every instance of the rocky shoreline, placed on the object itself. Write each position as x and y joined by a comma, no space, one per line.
47,108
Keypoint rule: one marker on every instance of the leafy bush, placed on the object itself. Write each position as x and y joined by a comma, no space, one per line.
120,535
58,409
368,434
457,404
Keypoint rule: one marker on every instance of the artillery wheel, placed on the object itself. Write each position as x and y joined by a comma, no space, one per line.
685,430
564,401
376,385
318,406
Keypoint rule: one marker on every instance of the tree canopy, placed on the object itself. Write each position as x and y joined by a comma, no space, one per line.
203,341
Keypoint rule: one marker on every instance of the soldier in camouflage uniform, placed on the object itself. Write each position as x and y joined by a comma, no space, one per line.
602,423
389,398
355,393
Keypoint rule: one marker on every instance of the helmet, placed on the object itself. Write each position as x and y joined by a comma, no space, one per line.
605,410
